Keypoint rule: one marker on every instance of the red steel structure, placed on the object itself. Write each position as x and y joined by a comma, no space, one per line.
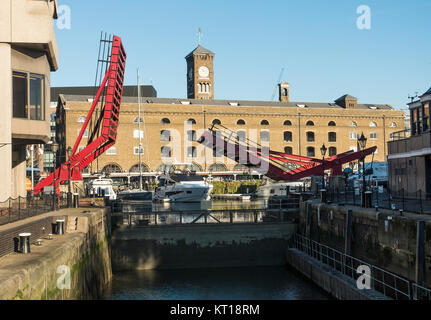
110,91
278,166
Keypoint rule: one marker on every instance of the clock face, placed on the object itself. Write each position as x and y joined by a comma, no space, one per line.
204,72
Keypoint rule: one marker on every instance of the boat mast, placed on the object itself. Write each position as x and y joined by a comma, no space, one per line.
139,131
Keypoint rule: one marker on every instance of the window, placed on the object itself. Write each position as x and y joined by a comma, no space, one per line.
191,135
204,88
331,124
217,167
310,123
191,152
332,151
264,123
287,123
191,121
288,150
136,150
216,121
264,136
353,124
85,135
165,135
19,84
240,122
393,125
310,136
111,151
165,152
37,97
81,119
241,136
373,124
332,136
138,134
353,135
373,135
165,121
112,167
310,152
287,136
138,120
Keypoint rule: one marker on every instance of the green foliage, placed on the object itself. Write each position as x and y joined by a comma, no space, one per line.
235,187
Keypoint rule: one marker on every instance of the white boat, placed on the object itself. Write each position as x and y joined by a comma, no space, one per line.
102,187
182,188
278,189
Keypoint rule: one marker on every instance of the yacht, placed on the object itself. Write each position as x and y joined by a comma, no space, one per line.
182,188
278,189
102,187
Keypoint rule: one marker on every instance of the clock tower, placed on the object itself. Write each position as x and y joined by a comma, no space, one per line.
200,74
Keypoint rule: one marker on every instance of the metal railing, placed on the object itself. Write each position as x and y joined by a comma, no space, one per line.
14,209
383,281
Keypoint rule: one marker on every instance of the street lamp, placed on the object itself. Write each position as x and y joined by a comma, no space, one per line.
323,191
54,148
362,141
69,192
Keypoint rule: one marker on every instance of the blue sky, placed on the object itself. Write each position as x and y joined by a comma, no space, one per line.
318,43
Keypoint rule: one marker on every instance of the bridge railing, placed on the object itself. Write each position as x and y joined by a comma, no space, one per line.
383,281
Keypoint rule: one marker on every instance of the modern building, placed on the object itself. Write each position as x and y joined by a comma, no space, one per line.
28,53
409,158
170,127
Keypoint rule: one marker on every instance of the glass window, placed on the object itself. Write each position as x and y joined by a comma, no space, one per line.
393,125
373,135
165,121
137,120
19,84
331,124
264,123
287,123
353,124
81,119
240,122
288,150
353,135
310,136
191,152
310,123
310,152
111,151
166,152
332,151
216,121
373,124
191,121
136,150
137,132
332,136
37,89
287,136
191,135
165,135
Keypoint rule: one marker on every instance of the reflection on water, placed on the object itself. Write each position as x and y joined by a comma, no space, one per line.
254,283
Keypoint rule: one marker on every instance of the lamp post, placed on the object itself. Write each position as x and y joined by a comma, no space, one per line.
362,141
69,192
54,148
323,191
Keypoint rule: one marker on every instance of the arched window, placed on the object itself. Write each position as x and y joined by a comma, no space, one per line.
165,121
191,121
165,135
310,152
264,136
332,136
165,152
240,167
393,125
240,122
135,168
191,135
138,120
217,167
288,150
353,124
112,168
332,151
287,123
287,136
137,132
373,124
264,123
191,152
310,123
216,121
241,136
331,124
310,136
81,119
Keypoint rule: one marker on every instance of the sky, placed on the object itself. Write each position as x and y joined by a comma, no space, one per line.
318,43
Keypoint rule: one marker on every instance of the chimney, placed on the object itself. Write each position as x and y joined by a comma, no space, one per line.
283,92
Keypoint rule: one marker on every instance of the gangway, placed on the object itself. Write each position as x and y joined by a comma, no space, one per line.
103,132
275,165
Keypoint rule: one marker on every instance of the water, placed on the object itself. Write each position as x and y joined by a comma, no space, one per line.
251,283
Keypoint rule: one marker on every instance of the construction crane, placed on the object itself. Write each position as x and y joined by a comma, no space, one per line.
276,85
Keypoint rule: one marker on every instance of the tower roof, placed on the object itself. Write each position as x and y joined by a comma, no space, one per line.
200,50
345,97
428,92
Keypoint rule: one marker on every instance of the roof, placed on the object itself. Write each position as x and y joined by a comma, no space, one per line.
200,50
346,97
233,103
428,92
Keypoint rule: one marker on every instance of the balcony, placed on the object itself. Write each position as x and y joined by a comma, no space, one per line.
402,142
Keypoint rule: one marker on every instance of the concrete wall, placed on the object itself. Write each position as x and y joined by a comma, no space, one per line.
382,238
84,249
200,246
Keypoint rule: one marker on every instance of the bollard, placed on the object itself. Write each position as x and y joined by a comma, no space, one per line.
76,200
60,226
50,236
24,242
